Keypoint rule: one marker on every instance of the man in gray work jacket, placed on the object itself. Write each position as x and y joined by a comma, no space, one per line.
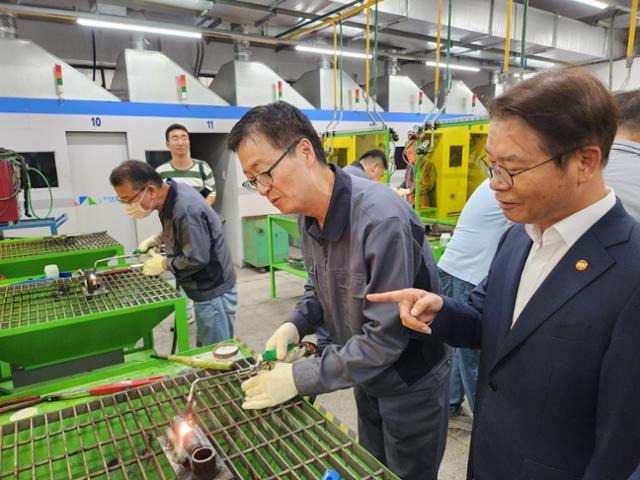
357,237
622,172
196,252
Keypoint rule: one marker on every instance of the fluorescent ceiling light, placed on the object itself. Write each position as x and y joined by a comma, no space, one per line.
453,66
594,3
328,51
134,27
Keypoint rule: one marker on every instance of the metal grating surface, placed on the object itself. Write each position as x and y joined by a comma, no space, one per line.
52,245
117,436
41,302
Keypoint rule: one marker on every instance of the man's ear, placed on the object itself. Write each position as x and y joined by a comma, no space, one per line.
589,160
308,152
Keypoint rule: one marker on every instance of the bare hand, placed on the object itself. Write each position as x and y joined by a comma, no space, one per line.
417,307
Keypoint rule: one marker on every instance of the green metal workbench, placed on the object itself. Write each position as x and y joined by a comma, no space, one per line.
28,256
117,436
52,322
290,224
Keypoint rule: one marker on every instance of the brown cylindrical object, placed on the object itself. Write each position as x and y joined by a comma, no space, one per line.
203,463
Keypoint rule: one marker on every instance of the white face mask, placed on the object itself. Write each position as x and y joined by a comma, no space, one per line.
136,211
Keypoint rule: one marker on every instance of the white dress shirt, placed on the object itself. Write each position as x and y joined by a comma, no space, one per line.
552,244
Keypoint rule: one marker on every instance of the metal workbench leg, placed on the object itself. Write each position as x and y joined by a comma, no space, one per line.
181,325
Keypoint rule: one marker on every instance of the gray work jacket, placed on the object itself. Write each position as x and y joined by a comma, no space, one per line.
622,174
355,169
372,241
197,253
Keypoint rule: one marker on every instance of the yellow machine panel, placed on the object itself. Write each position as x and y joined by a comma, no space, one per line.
446,169
478,138
343,148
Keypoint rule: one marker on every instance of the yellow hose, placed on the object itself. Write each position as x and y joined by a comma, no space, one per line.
342,16
507,43
437,82
366,56
335,67
632,28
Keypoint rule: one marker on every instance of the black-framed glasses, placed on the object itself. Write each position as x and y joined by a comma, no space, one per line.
504,175
264,178
128,202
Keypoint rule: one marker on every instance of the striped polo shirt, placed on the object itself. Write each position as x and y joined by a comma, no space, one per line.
191,176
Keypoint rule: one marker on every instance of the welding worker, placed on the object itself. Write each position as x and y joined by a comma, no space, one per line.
196,252
371,164
357,237
557,317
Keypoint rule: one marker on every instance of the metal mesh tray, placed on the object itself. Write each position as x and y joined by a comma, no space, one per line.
57,244
35,303
116,437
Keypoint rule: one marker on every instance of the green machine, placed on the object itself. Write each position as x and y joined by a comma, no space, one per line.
255,242
125,435
53,328
28,256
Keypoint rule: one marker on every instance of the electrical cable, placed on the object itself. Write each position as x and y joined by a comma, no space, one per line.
436,87
633,18
447,82
93,48
335,69
44,178
523,53
366,55
507,42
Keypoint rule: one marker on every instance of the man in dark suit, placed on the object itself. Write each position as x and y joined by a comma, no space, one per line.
558,316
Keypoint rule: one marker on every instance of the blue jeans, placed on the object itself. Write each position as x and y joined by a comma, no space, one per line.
188,301
215,318
464,369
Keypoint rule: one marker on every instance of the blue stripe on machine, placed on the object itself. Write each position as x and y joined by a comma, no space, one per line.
137,109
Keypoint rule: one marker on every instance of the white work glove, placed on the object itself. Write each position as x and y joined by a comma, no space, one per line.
151,242
285,334
154,266
403,192
269,388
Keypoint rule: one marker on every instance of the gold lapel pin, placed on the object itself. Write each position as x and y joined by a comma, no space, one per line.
581,265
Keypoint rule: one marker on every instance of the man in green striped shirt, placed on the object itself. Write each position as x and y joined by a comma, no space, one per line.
184,169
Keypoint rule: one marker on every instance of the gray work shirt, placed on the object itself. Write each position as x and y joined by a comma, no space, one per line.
372,241
622,174
197,253
356,169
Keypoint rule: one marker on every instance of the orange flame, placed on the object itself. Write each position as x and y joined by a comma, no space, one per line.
185,428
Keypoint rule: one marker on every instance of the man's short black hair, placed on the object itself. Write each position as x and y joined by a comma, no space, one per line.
172,127
280,123
567,107
629,105
139,174
375,153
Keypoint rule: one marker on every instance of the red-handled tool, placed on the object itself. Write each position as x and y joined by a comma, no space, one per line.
119,386
23,402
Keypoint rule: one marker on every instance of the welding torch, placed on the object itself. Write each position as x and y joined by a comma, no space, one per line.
309,348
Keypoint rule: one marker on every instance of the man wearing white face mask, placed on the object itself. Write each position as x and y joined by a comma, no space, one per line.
196,252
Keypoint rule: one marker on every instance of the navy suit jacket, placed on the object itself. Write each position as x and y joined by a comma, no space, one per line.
558,395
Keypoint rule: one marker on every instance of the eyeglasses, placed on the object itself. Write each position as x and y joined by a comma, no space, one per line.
130,201
264,178
505,176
